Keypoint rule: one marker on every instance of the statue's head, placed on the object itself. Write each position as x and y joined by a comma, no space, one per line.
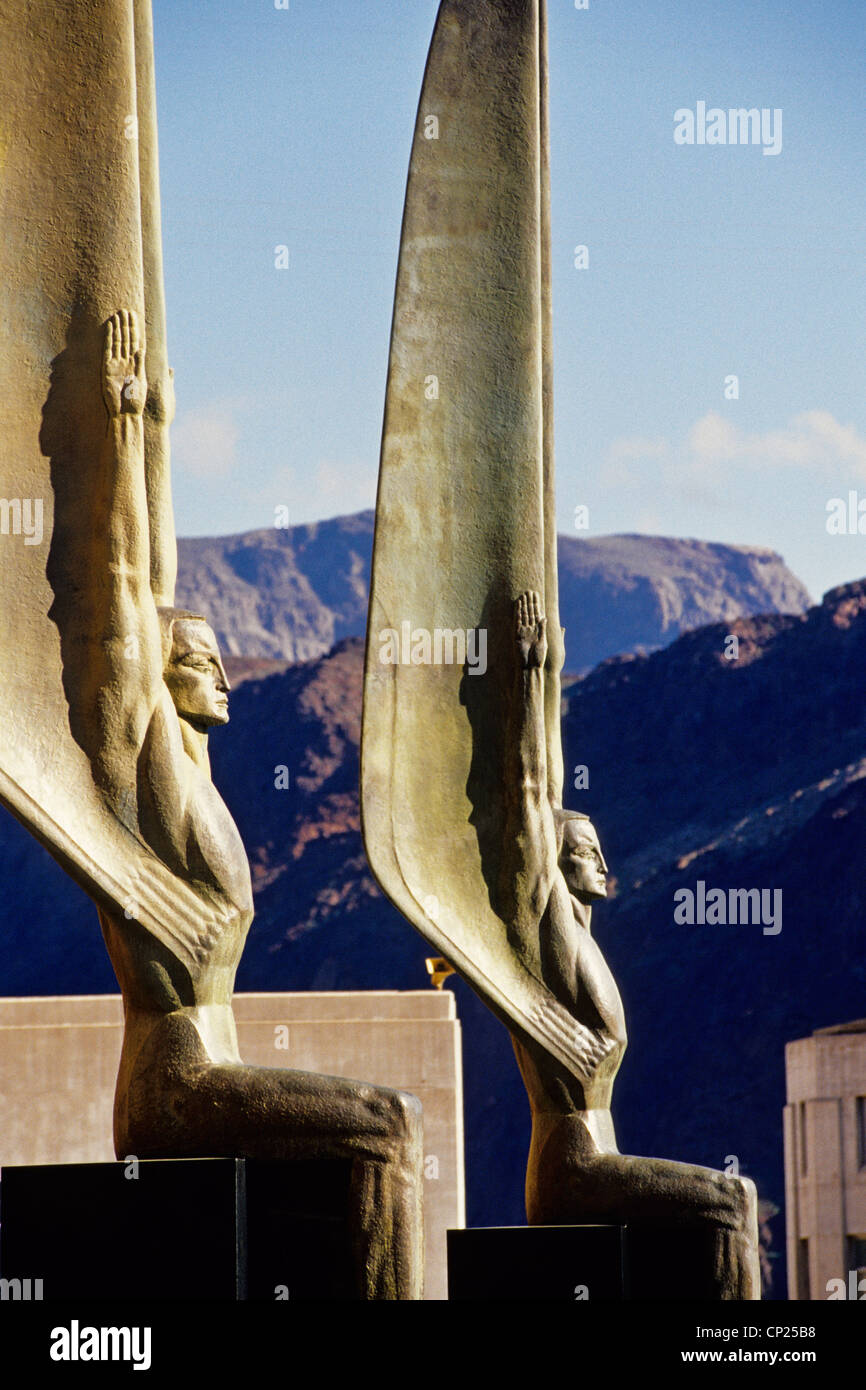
193,669
581,861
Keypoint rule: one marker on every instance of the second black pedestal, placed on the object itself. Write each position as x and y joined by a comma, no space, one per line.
538,1263
580,1263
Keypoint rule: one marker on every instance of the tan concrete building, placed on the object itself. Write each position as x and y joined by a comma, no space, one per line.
59,1057
825,1163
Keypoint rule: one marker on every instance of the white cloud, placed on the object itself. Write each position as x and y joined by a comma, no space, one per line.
204,441
813,441
713,437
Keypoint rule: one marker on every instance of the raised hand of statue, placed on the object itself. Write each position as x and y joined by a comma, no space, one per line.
124,385
531,631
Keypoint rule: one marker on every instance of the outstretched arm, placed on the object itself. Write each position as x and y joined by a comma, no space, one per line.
529,860
126,670
534,892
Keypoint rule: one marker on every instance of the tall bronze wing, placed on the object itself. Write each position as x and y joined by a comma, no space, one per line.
79,239
465,510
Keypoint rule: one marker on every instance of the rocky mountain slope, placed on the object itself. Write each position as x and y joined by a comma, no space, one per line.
745,773
291,594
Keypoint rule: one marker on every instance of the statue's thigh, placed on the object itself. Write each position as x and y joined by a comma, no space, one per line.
299,1112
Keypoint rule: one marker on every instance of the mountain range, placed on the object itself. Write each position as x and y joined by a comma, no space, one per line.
291,594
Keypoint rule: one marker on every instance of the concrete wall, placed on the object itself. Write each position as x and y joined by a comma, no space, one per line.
59,1057
825,1176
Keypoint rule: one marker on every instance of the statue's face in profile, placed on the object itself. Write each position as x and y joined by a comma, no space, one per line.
195,675
582,862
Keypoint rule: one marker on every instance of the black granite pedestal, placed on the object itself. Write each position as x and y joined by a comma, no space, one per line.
581,1264
221,1228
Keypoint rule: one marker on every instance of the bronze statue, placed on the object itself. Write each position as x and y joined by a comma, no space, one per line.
575,1173
109,769
182,1089
462,773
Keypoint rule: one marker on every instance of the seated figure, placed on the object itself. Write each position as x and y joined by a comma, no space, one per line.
157,687
575,1173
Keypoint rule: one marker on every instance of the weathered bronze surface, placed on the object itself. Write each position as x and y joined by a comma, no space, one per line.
107,692
557,870
462,760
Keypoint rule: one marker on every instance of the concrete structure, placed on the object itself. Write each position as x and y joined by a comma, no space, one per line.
825,1163
59,1057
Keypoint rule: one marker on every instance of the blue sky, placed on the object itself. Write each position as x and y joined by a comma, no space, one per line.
292,127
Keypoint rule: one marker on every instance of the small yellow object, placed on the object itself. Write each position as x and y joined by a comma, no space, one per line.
438,969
